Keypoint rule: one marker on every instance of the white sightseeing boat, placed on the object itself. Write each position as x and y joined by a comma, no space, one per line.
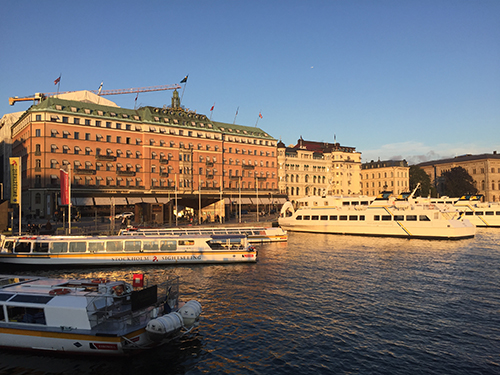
91,316
254,234
382,216
125,250
481,214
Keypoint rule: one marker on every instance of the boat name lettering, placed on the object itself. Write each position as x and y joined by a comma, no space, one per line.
155,258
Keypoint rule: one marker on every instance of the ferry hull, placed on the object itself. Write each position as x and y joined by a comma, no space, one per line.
74,343
393,229
129,258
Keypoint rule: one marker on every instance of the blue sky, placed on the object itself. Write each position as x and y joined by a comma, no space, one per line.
418,80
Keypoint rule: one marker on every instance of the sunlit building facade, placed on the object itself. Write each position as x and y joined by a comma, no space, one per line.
120,156
316,168
388,175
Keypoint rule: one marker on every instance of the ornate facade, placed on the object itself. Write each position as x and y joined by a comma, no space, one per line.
389,175
316,168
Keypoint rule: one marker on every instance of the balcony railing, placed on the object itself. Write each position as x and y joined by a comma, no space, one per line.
248,166
84,171
163,161
164,174
125,173
106,157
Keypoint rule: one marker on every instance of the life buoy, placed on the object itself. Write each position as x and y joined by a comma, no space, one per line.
99,281
59,291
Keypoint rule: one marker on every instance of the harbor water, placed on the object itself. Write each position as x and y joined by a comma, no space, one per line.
321,304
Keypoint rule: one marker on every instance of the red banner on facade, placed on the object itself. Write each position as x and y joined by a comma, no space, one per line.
64,176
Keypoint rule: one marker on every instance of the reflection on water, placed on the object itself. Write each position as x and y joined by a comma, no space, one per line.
323,304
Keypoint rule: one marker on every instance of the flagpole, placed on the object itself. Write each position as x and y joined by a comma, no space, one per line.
176,212
212,111
69,201
237,109
59,84
184,80
20,196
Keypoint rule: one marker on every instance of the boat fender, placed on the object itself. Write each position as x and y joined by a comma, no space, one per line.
190,313
59,291
159,328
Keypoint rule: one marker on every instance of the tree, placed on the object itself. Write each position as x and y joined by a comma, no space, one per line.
417,175
457,182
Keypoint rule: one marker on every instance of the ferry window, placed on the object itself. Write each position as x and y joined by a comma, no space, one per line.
353,217
151,245
364,203
469,213
26,315
133,246
376,218
77,247
186,242
2,316
113,246
96,246
307,217
168,245
315,217
399,217
8,245
386,217
479,213
354,203
411,218
423,218
4,297
41,247
362,217
333,217
498,212
345,203
490,213
58,247
298,217
343,217
324,217
23,247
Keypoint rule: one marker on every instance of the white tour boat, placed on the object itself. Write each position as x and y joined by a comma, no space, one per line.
381,216
125,250
481,214
254,234
91,316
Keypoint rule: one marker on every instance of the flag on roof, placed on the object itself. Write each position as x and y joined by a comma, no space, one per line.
260,115
57,80
100,88
184,80
211,109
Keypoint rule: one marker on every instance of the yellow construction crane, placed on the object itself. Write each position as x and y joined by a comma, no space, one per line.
41,96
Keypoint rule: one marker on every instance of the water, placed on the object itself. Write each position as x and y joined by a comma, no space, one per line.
324,304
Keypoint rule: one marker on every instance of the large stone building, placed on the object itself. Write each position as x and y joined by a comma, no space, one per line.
484,169
120,156
316,168
388,175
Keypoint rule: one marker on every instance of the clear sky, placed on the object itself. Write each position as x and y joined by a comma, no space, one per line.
417,79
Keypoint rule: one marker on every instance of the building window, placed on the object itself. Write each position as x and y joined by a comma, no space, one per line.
76,121
108,138
108,124
87,136
87,122
98,123
38,118
118,139
38,133
77,135
65,119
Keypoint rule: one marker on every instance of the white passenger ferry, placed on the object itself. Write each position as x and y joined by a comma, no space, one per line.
254,234
381,216
481,214
125,250
91,316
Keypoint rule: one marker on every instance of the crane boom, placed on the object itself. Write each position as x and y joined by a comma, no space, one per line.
42,96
